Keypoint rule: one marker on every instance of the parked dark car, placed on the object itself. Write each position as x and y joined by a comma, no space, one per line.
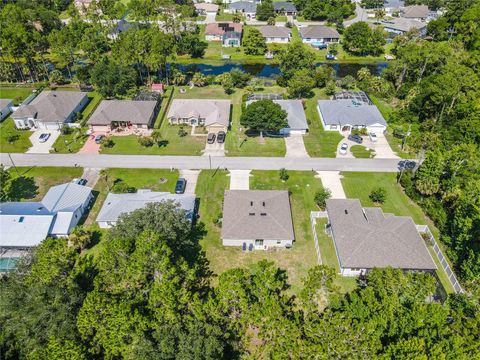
355,138
330,56
180,186
99,138
211,138
44,137
221,137
407,164
321,46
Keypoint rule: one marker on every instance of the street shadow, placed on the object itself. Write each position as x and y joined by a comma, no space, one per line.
23,187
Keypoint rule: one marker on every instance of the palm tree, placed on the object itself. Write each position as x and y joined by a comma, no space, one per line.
178,78
199,79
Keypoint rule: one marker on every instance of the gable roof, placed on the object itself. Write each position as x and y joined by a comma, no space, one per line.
318,32
245,6
275,31
66,197
213,111
118,204
221,28
367,238
51,106
284,5
349,112
257,214
5,102
403,24
136,112
206,7
415,11
295,113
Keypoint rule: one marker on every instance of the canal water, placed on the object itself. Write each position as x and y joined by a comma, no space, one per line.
273,70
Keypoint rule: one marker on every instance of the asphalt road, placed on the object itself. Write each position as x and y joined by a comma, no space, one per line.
200,162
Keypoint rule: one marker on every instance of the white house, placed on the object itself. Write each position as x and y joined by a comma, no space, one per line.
276,34
6,106
26,224
50,110
206,8
367,238
246,8
319,34
257,219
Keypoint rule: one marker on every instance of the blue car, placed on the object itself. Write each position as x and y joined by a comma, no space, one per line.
330,56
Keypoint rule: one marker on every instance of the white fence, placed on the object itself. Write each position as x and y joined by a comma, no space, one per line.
314,215
443,261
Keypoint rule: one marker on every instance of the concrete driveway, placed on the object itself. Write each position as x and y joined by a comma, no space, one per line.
332,180
91,175
382,148
214,149
192,177
239,179
295,146
42,148
349,153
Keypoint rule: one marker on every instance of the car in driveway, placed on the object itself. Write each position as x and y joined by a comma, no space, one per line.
343,149
221,137
44,137
355,138
99,138
80,181
373,137
211,138
180,186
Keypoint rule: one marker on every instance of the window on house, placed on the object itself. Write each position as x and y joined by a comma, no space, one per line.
279,242
333,127
259,242
21,219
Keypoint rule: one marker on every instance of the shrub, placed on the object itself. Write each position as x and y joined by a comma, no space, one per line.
182,132
11,138
321,198
108,143
283,174
66,130
330,88
121,187
378,195
145,141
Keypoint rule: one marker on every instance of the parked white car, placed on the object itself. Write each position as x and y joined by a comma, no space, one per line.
373,137
44,137
343,149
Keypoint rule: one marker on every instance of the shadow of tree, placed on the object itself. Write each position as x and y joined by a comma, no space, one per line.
23,187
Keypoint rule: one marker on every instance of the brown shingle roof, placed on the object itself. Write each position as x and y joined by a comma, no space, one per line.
221,28
319,32
275,31
213,111
136,112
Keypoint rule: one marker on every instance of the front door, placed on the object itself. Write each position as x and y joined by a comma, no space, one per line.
259,244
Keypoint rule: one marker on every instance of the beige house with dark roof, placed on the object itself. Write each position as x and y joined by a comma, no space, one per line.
112,114
257,219
276,34
367,238
213,114
50,110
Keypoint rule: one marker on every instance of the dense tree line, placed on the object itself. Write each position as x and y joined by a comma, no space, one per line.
331,10
147,294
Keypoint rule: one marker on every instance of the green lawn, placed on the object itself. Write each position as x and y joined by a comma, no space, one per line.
396,145
239,144
343,56
40,179
167,97
19,142
17,94
297,261
360,151
318,142
207,92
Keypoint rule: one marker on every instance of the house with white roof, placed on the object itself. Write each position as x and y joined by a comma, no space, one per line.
116,205
26,224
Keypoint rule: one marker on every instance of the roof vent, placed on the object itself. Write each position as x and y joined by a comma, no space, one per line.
251,214
40,208
21,219
346,212
263,214
251,203
263,203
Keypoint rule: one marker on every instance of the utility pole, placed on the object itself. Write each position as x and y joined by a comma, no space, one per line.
13,164
210,160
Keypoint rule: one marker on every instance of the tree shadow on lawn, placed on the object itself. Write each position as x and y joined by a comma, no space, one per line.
23,187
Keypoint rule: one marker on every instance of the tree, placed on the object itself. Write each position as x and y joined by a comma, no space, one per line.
264,115
191,44
56,78
265,10
330,88
283,174
226,81
198,79
296,56
372,4
359,39
323,75
112,79
378,195
301,84
5,184
331,10
347,82
254,42
321,198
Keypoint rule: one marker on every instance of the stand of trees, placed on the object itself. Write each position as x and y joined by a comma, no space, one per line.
331,10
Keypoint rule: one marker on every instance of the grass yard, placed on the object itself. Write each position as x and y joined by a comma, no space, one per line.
396,145
362,152
297,261
17,94
13,140
207,92
167,98
343,56
239,144
318,142
34,182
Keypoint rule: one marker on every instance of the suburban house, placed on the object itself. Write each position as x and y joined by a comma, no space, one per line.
6,106
117,204
400,26
297,122
257,219
246,8
120,27
206,8
345,113
26,224
284,8
82,5
112,114
230,34
319,34
276,34
416,12
367,238
213,114
234,1
50,110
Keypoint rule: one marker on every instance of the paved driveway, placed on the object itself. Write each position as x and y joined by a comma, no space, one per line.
349,153
239,179
382,148
332,180
90,146
91,175
191,176
295,146
214,149
42,148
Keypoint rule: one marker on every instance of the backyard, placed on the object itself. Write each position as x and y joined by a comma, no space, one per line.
17,94
302,185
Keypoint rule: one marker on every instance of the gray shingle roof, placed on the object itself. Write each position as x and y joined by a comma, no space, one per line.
51,106
118,204
5,102
245,6
257,214
295,113
275,31
403,24
318,32
287,6
367,238
213,111
415,11
347,112
136,112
